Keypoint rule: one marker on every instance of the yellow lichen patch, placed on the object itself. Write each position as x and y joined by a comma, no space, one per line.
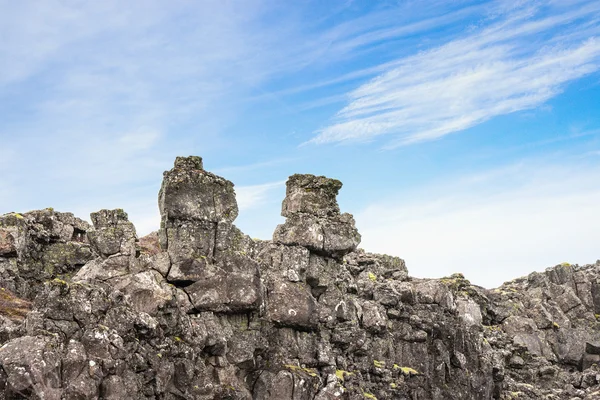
406,370
297,369
13,307
555,325
495,328
372,276
379,364
60,281
370,396
456,282
340,373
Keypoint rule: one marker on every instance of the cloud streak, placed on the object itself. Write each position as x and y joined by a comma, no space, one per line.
493,71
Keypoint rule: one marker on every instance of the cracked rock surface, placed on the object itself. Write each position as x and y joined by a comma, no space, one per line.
199,310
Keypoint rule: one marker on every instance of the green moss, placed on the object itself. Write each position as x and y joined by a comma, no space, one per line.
379,364
393,385
370,396
372,276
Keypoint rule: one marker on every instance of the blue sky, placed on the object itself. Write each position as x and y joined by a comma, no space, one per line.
467,133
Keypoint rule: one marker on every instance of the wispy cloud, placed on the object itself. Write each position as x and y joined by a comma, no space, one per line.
497,69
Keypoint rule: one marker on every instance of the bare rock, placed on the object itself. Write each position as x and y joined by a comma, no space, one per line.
309,194
201,311
190,193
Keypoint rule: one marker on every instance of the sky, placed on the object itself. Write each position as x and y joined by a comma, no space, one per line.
466,133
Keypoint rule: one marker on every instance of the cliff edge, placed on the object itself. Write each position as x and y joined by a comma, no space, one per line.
199,310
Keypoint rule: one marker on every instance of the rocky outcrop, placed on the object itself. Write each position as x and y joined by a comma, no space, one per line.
199,310
38,246
208,255
313,218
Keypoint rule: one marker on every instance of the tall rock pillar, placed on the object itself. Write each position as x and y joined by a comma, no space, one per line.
313,218
207,252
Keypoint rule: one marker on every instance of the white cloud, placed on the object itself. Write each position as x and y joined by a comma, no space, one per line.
493,226
255,195
494,71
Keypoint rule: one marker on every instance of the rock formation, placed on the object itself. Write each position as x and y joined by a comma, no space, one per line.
201,311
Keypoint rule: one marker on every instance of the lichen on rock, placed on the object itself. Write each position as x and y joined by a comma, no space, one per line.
199,310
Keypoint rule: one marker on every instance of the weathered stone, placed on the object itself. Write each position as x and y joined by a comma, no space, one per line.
330,237
146,291
232,286
291,262
190,241
373,317
7,244
469,311
315,195
381,265
103,269
201,311
291,304
434,292
570,345
112,233
516,324
40,245
66,256
313,219
190,193
535,344
592,347
32,365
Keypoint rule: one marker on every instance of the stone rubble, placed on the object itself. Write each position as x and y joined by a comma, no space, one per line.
198,310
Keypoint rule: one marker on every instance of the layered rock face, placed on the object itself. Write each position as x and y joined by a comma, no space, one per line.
201,311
